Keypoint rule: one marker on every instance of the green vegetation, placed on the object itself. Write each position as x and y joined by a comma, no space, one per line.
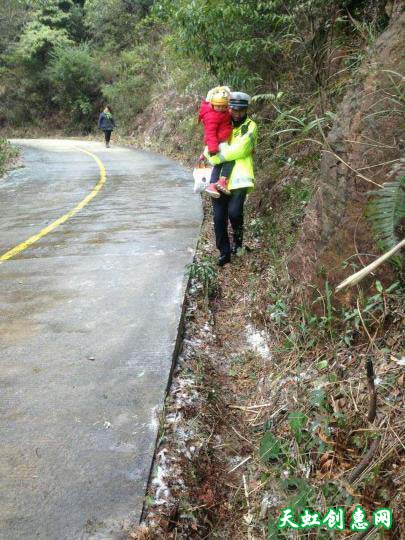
70,56
7,153
152,61
204,272
387,212
75,78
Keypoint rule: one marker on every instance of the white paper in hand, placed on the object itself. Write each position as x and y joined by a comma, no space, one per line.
201,178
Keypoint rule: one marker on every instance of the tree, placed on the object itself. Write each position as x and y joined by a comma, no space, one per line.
14,14
38,41
47,25
111,23
237,40
75,78
129,92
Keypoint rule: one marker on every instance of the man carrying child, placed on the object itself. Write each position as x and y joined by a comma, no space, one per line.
240,181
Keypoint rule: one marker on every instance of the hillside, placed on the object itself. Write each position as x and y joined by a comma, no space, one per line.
288,393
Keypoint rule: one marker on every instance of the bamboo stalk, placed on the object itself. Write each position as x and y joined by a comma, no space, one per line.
372,408
357,471
358,276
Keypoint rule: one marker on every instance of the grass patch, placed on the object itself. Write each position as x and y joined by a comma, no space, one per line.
7,155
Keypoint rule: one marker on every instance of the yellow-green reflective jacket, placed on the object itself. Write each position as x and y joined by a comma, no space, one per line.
240,149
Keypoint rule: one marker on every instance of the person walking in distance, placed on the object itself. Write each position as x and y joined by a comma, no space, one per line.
241,181
106,124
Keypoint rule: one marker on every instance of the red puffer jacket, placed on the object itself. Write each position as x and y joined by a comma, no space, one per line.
217,126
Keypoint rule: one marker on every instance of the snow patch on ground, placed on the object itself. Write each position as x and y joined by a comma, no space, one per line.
257,340
154,422
179,440
159,481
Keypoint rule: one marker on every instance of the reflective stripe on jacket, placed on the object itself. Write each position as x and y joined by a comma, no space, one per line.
240,150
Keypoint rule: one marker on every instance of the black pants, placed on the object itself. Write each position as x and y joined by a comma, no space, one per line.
107,136
223,169
229,207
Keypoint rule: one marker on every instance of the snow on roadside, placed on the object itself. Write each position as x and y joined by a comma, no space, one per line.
179,441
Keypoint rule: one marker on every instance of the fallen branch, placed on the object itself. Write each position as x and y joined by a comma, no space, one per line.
353,170
372,407
358,276
379,164
242,437
364,324
239,464
365,534
372,411
248,517
357,471
251,408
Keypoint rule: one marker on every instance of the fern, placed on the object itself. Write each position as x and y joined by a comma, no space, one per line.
387,213
267,98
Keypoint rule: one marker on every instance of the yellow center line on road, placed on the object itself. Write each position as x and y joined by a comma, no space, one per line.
52,226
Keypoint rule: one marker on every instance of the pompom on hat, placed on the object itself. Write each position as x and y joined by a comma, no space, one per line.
219,95
239,100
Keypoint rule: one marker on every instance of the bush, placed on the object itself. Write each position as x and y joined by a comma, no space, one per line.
37,43
7,153
111,23
236,40
129,93
75,77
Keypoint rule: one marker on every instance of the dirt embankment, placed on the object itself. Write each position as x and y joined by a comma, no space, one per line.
362,151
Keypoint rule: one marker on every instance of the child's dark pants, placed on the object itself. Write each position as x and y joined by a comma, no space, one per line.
223,169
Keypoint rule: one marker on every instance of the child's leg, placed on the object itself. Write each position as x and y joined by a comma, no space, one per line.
227,168
211,189
216,173
225,173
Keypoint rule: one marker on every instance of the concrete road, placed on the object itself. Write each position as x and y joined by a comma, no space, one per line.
89,316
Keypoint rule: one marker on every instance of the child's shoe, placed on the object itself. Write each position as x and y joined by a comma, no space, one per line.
212,191
221,186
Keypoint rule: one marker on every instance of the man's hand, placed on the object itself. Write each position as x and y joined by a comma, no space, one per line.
212,160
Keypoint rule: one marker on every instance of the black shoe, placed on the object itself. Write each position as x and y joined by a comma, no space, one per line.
234,249
224,259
